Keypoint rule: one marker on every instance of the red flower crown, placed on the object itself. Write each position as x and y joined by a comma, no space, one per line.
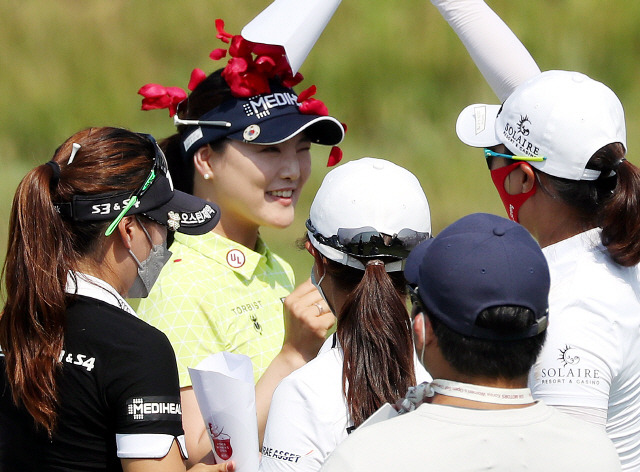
247,73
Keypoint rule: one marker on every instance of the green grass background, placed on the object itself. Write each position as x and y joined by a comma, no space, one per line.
393,71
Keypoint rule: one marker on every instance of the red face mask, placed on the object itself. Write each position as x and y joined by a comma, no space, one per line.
512,203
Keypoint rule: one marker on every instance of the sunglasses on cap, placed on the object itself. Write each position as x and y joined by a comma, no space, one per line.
488,154
160,167
368,242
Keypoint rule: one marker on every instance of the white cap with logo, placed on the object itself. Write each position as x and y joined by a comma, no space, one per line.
365,196
561,116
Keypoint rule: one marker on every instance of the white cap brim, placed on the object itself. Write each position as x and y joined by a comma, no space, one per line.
476,125
295,25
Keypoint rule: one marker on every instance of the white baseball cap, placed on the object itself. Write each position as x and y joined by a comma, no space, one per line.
361,199
561,116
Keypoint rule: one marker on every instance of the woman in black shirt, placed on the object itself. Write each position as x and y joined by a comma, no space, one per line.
87,385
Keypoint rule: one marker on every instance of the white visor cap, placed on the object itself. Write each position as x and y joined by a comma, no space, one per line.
368,192
560,115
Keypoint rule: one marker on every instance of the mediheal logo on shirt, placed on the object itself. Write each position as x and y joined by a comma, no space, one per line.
569,370
153,408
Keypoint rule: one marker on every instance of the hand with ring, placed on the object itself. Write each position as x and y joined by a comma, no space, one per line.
307,319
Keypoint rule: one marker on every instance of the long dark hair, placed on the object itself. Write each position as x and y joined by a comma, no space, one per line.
209,94
374,332
43,248
611,202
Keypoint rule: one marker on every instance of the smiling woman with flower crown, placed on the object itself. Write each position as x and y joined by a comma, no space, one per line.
243,141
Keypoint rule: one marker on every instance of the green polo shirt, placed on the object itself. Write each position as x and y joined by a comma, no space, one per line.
216,295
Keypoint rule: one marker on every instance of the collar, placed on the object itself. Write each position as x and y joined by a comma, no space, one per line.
236,257
93,287
330,343
480,393
590,239
419,394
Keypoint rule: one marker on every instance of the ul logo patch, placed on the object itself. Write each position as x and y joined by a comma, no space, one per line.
235,258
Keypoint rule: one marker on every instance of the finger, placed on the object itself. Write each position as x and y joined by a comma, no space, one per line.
304,288
312,297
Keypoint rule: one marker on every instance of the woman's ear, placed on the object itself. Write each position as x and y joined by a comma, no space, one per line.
528,178
317,256
126,229
310,248
201,161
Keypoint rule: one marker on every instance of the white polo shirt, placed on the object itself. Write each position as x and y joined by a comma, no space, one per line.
592,354
309,415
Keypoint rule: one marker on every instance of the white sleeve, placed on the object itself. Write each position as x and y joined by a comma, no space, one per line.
579,359
296,438
499,55
596,416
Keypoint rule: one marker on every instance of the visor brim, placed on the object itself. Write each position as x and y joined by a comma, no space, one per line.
476,125
186,214
325,130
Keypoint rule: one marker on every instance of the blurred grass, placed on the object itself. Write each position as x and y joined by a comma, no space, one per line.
393,71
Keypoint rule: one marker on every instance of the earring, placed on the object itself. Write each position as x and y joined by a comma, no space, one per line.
206,176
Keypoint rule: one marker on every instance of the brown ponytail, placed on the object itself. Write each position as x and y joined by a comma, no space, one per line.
620,217
31,327
373,329
43,248
611,202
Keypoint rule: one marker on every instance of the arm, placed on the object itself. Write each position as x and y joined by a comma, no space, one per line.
300,431
172,462
305,330
576,367
195,432
499,55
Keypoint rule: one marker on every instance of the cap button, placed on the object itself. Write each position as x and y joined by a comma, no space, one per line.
378,165
498,231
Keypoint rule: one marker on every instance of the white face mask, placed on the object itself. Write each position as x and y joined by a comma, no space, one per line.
149,269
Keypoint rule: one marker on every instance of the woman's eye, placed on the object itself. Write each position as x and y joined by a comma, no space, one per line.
271,149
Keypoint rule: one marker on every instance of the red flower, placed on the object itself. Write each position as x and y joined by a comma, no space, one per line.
289,80
314,107
245,84
157,97
218,54
305,94
222,34
197,76
240,47
335,156
265,64
260,49
282,66
236,65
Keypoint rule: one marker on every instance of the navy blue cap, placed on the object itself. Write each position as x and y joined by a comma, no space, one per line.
478,262
266,119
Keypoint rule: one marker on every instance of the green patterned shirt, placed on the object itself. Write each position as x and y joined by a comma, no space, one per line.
216,295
